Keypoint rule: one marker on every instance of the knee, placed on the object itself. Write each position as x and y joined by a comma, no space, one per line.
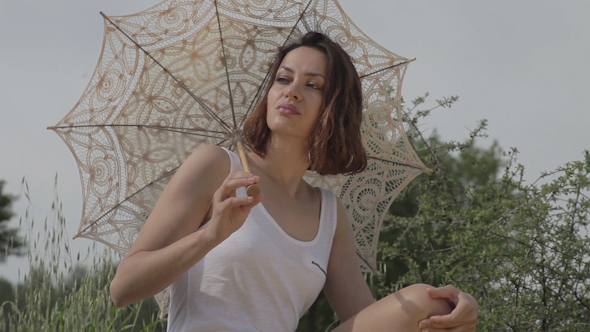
416,302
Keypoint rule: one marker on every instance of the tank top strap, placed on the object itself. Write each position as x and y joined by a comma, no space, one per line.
329,216
235,162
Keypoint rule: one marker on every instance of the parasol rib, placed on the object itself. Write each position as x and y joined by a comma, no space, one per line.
387,68
255,99
197,99
298,20
231,98
187,131
377,273
128,198
398,163
125,200
264,81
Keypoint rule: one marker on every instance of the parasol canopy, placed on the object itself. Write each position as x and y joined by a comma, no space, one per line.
182,74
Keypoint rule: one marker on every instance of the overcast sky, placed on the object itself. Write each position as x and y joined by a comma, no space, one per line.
523,65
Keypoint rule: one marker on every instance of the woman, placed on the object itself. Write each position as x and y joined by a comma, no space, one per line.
237,265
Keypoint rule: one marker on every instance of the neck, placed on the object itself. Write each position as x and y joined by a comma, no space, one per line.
284,165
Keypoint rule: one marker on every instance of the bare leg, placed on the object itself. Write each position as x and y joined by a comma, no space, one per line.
400,311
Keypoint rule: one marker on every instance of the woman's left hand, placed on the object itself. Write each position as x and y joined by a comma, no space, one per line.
462,318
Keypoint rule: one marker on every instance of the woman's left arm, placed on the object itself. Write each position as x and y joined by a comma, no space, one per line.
346,288
348,292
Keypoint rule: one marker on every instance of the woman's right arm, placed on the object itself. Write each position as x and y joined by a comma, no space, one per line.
170,243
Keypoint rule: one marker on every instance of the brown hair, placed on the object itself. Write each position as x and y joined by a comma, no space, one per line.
336,146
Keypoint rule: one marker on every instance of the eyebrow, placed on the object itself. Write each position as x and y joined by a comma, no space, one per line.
306,74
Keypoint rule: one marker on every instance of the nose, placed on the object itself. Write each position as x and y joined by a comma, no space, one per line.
292,93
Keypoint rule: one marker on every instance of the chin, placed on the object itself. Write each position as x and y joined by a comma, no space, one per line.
284,125
286,131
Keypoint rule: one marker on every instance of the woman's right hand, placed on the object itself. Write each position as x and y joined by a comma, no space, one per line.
172,240
228,211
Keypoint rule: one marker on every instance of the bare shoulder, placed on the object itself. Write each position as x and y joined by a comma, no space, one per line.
200,174
208,160
185,202
207,157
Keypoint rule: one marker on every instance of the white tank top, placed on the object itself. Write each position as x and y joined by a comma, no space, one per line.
258,279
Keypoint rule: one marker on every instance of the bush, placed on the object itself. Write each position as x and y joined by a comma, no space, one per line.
520,249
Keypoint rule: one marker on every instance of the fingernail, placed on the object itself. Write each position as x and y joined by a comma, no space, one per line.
424,330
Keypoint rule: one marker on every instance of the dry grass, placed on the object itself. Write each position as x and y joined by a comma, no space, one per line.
61,294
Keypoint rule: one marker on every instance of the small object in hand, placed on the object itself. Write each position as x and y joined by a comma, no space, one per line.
253,191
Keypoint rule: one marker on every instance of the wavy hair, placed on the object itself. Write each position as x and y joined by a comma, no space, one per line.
336,146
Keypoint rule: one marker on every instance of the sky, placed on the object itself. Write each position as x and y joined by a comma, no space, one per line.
522,65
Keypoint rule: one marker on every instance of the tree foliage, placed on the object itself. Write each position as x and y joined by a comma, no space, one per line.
10,242
521,249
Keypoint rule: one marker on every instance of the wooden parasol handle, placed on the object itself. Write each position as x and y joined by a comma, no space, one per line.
252,190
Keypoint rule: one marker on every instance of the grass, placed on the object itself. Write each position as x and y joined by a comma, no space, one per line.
61,294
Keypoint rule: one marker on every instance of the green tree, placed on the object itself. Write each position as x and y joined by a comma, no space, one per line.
459,167
10,242
521,249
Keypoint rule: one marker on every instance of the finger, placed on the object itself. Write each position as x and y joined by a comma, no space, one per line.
430,325
453,329
231,183
446,292
453,319
254,202
248,206
237,174
234,202
468,327
424,323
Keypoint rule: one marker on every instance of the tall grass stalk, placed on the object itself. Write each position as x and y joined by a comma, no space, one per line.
60,294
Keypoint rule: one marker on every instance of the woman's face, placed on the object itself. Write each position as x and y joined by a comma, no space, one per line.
296,95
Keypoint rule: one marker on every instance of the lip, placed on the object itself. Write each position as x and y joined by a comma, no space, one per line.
289,109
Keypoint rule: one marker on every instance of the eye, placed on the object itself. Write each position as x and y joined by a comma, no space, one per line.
314,86
282,80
